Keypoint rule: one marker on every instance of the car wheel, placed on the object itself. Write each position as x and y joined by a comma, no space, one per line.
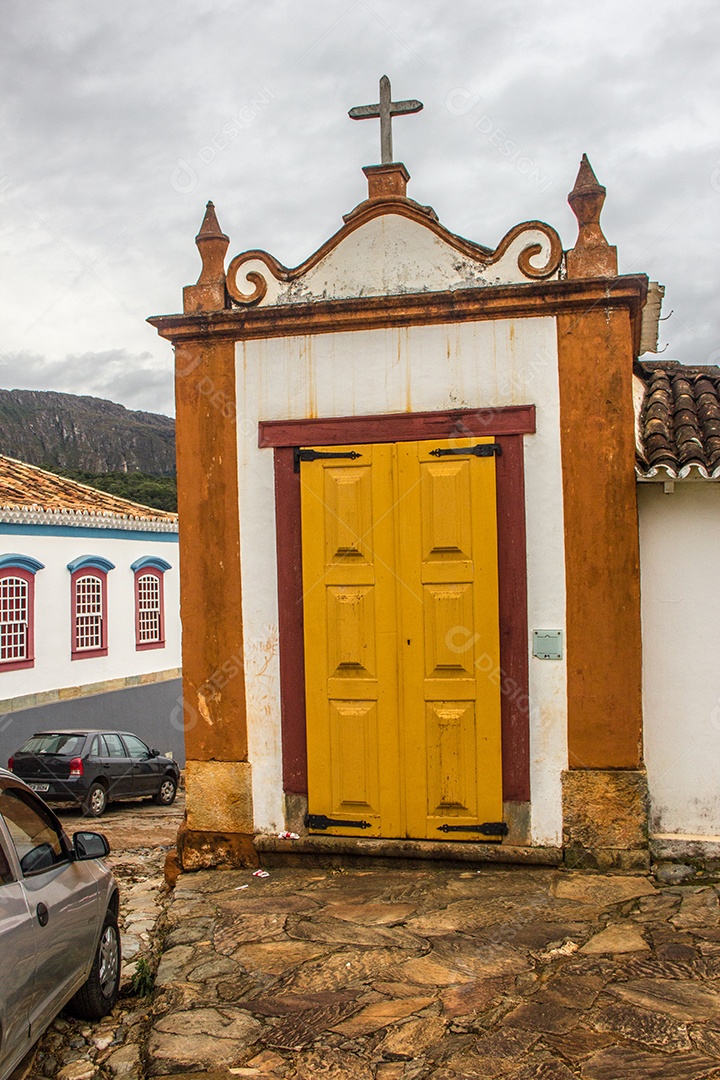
95,801
96,997
166,795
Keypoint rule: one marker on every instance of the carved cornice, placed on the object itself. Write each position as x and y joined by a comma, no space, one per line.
547,298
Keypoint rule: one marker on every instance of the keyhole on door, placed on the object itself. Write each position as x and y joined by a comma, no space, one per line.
408,641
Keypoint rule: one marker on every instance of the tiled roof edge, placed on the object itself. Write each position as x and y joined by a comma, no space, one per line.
666,472
83,520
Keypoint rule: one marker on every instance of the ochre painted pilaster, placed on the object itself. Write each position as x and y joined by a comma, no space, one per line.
595,347
210,592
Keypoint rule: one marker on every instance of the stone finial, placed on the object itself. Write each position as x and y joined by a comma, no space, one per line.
592,256
209,292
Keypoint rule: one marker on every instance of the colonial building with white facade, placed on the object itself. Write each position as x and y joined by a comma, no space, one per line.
678,471
89,611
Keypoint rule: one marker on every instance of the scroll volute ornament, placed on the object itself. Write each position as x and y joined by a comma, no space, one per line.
209,292
592,256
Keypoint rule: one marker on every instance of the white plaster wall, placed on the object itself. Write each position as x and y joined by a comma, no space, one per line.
484,364
53,667
392,255
679,548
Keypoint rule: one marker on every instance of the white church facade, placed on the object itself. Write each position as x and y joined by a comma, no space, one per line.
427,611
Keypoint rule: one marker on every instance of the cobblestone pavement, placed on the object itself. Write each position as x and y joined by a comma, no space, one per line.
397,974
140,835
448,974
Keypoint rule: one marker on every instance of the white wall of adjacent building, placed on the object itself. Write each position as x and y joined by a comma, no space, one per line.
425,368
54,667
680,582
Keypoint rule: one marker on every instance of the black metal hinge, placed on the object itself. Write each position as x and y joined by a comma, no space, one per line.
488,828
319,821
488,449
312,455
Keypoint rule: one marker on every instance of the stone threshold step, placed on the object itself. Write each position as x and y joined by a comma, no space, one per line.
275,851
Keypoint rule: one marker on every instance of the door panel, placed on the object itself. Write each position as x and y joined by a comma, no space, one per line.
351,632
444,507
451,665
446,607
354,748
348,500
402,639
451,764
349,615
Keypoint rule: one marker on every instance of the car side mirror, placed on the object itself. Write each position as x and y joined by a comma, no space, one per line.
154,753
38,858
90,845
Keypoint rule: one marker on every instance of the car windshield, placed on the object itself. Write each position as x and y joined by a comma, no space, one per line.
69,745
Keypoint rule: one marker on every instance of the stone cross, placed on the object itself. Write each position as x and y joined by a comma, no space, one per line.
385,111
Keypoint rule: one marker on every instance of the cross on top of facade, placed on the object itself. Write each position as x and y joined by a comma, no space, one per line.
384,111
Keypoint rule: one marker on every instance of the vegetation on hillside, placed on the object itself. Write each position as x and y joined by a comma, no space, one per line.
159,492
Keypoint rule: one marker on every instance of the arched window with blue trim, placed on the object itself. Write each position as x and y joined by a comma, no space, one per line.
17,611
149,602
88,600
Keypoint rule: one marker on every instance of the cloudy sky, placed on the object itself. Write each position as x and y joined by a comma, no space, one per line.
121,120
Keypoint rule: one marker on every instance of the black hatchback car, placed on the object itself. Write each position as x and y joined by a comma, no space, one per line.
93,768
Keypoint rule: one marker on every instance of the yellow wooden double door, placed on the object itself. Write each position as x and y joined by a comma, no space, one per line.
402,640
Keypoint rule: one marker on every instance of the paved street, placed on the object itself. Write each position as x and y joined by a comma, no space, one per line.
449,974
399,974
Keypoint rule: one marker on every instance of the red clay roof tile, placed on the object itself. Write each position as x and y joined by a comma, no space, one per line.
679,423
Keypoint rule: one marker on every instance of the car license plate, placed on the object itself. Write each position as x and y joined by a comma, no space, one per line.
40,787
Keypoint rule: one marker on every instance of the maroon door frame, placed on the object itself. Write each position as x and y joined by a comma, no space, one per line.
507,426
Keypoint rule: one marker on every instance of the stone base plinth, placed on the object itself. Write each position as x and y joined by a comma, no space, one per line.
605,819
219,796
218,828
214,850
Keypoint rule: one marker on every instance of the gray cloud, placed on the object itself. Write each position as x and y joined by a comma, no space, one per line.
131,380
103,103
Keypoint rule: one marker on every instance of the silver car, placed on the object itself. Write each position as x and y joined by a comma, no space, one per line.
59,940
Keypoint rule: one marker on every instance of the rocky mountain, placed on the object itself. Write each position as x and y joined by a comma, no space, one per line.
66,431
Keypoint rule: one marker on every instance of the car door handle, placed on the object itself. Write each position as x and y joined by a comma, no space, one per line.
105,765
42,914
